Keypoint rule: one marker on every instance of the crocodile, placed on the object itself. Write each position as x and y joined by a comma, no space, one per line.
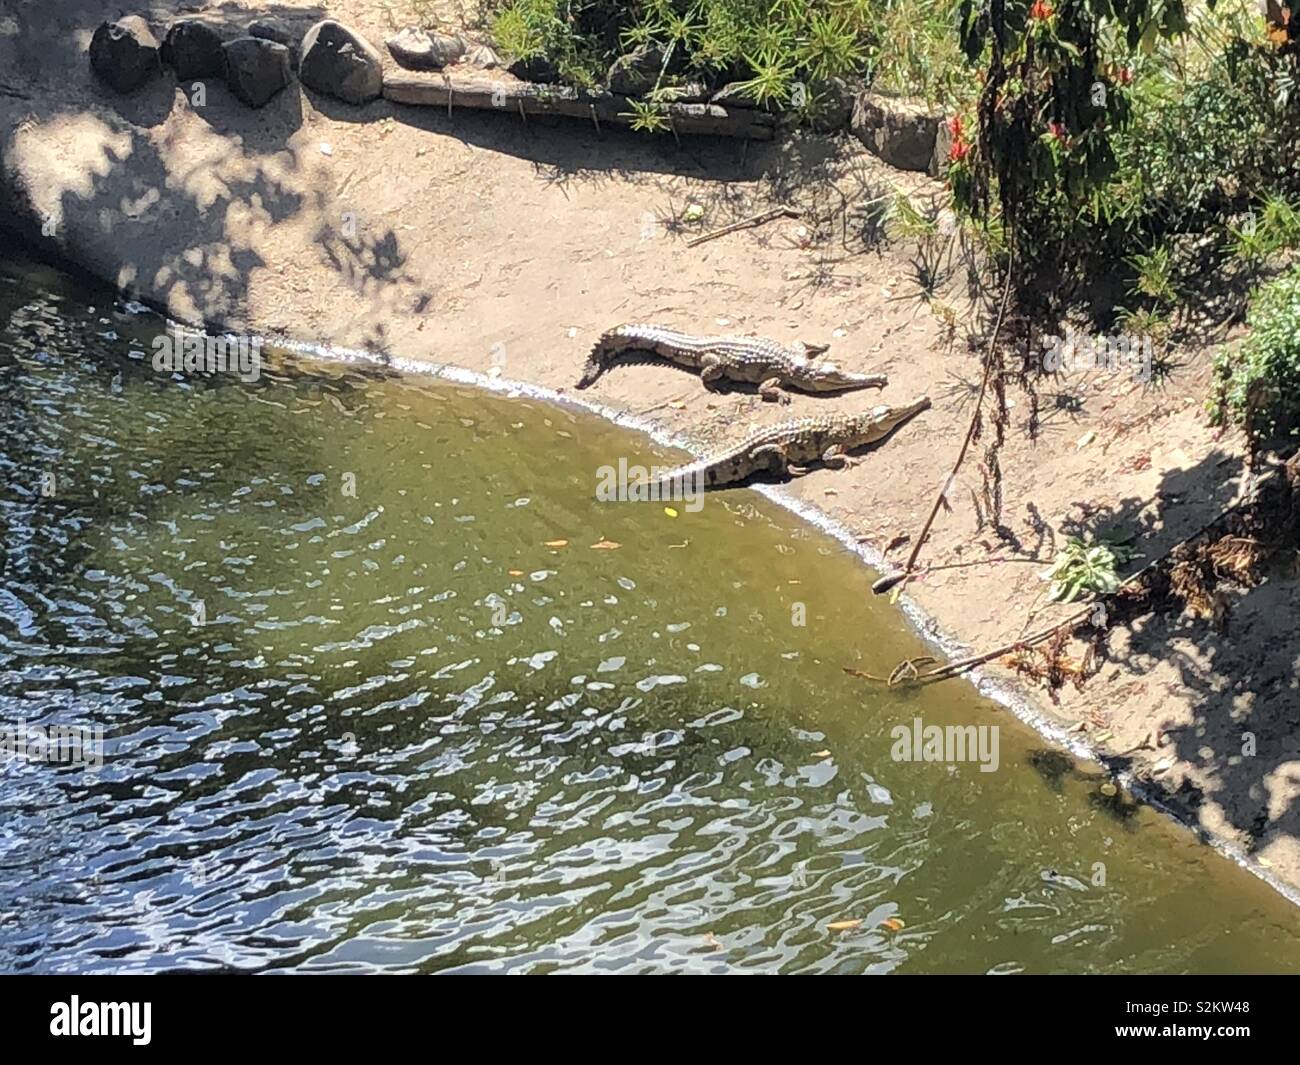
755,360
785,448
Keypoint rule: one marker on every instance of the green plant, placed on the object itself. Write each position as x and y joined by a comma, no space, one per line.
1103,128
1155,275
1273,229
648,116
1082,567
782,52
1258,382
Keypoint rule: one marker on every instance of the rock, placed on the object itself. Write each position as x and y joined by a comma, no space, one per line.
539,69
483,57
942,148
340,62
273,31
193,50
731,95
901,131
256,69
416,50
638,71
691,92
124,53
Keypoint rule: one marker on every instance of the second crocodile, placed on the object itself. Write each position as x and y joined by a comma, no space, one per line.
787,447
753,360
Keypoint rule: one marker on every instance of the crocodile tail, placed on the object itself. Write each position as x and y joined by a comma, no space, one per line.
611,342
595,363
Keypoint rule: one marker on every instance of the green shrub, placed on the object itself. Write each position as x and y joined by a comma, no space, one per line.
1259,381
905,46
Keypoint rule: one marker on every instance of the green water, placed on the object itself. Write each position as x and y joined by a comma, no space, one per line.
341,733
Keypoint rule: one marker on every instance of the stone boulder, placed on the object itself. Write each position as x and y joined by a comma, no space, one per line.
539,70
900,131
690,92
124,54
256,69
193,49
340,62
636,72
483,57
416,50
273,31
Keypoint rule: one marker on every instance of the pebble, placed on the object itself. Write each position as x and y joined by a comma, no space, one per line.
325,149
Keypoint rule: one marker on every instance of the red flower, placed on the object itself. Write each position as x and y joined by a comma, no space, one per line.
1041,10
1124,76
960,149
1058,131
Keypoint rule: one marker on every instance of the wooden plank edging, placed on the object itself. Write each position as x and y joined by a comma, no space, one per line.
597,106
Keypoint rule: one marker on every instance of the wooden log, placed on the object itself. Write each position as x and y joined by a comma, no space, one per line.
602,108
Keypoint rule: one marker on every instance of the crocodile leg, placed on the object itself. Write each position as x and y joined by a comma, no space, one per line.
836,459
711,370
770,390
774,456
778,461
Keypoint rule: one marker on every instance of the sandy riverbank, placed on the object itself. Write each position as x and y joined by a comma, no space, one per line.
504,247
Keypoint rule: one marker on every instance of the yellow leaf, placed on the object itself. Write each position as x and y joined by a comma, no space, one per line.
605,545
557,543
843,926
515,572
670,512
821,754
893,924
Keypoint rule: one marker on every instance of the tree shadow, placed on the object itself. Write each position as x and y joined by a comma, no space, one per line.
1235,652
168,220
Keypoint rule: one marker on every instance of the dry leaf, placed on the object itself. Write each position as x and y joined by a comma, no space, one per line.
557,543
711,941
843,926
605,545
515,572
821,754
892,924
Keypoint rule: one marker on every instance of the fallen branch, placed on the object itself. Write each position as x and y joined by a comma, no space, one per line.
745,223
906,672
886,583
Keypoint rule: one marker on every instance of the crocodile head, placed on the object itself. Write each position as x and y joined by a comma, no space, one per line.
879,422
825,376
